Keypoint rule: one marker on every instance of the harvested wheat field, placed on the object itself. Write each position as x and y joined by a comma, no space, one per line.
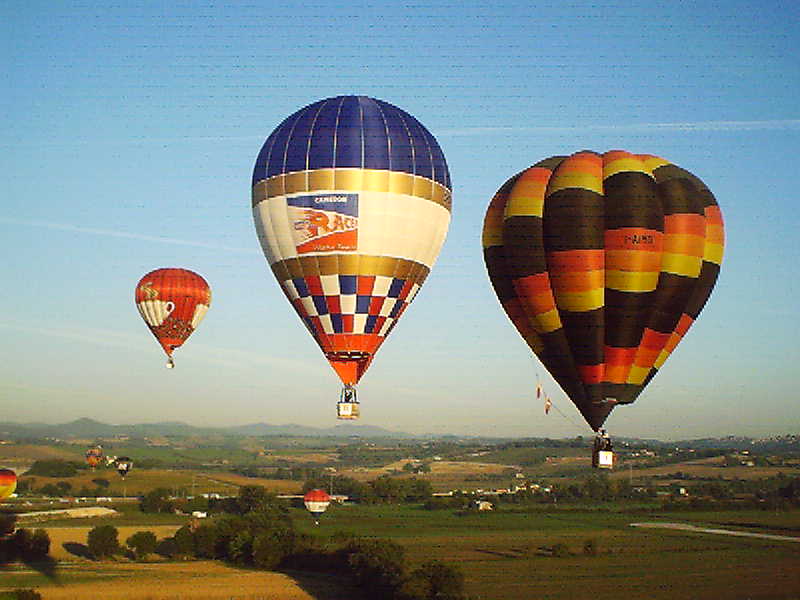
184,581
75,537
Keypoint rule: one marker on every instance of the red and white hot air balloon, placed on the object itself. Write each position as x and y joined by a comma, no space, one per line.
172,302
317,502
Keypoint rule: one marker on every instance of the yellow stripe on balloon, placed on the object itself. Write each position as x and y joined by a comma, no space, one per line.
713,253
526,198
651,163
637,375
573,179
580,301
626,164
547,321
632,281
493,223
681,264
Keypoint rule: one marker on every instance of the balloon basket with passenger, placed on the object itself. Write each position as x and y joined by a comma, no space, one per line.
348,408
602,451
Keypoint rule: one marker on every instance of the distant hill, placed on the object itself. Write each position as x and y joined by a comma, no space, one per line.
89,428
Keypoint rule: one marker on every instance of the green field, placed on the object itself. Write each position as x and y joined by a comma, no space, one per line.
507,555
504,555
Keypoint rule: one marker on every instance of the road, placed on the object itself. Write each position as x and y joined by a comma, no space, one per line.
696,529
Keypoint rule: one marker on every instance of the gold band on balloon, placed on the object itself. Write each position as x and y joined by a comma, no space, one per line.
355,180
350,264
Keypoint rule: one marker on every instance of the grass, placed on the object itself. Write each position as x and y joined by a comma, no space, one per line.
503,558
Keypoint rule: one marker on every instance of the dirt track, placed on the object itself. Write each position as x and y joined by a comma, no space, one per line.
695,529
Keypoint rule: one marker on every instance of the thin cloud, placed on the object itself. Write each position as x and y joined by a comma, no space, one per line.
131,141
109,338
124,234
790,124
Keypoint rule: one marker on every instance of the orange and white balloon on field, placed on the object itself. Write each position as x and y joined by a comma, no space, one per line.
172,303
316,502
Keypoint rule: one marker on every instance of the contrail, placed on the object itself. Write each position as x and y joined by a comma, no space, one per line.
124,234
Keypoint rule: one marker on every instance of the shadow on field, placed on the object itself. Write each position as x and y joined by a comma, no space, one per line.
323,586
76,549
510,553
47,567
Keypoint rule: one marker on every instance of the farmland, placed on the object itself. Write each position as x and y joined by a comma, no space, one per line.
529,547
504,555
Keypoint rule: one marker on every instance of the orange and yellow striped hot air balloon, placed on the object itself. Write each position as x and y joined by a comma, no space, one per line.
351,200
94,456
603,262
8,483
172,302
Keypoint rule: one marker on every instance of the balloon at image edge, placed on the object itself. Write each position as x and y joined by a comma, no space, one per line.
172,303
8,483
351,200
603,262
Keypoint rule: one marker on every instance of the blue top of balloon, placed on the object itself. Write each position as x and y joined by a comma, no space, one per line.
351,132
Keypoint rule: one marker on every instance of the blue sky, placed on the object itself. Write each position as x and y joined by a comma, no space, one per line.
129,133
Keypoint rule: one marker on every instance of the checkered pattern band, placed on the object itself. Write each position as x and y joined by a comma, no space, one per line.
349,304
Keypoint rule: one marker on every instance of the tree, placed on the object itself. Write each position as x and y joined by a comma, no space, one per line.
184,542
22,540
51,489
205,541
39,545
8,523
240,548
267,552
156,501
254,498
103,541
435,580
377,566
54,468
25,594
142,543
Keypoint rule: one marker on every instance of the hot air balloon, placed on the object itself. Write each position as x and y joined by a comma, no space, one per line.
123,464
603,262
8,483
94,456
351,200
172,302
317,502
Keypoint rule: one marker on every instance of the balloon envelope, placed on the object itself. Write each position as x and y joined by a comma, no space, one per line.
8,483
316,501
351,200
603,262
94,456
123,464
172,303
